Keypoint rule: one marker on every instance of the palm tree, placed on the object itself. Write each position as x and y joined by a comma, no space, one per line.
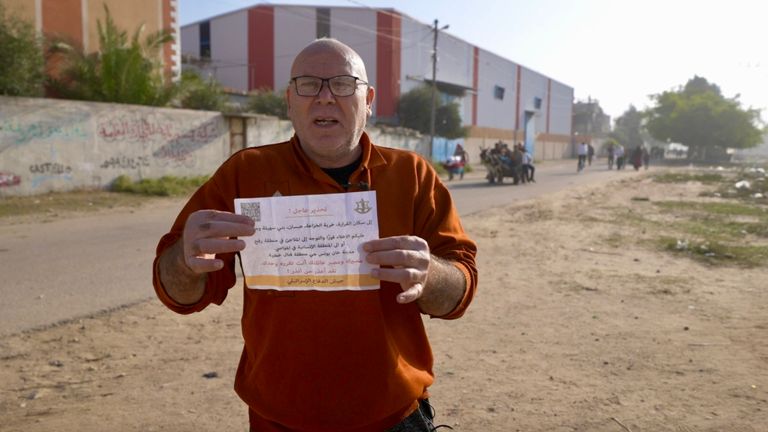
21,69
121,71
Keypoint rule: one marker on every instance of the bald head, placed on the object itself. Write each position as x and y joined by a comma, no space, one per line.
323,51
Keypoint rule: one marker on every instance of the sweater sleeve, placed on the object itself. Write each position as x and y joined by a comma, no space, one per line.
437,221
208,196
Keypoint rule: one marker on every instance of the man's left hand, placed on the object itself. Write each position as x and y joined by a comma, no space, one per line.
409,258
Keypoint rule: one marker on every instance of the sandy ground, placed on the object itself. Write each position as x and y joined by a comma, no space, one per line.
578,325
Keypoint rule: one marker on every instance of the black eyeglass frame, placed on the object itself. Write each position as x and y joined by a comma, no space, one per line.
326,82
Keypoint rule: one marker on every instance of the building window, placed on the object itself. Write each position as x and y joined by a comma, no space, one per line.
205,39
498,92
537,103
323,22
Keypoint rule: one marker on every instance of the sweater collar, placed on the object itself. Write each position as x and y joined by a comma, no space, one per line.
371,156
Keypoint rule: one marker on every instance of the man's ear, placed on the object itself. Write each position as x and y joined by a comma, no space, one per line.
287,98
369,97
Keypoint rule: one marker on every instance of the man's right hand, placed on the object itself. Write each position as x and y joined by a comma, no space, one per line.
184,265
209,232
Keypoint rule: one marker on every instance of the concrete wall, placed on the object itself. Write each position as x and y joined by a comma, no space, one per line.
548,146
262,130
53,145
49,145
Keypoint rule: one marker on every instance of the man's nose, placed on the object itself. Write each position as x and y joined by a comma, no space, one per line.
325,95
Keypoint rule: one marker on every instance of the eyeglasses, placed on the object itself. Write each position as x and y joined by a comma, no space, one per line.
340,85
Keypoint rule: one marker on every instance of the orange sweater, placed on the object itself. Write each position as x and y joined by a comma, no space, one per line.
343,360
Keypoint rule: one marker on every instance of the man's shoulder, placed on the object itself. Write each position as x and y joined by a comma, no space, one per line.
392,154
280,150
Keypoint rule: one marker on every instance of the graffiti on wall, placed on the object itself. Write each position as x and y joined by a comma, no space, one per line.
50,168
187,142
8,179
52,145
178,140
135,129
125,162
14,132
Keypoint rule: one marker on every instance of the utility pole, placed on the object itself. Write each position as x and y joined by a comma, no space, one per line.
434,89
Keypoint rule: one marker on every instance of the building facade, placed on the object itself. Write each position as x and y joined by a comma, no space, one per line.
253,48
77,20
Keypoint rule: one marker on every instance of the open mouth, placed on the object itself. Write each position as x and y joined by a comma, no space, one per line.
326,121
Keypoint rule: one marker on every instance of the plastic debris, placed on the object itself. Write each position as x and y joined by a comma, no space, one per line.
742,185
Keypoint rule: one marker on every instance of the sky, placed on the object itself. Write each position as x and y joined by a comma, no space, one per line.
618,52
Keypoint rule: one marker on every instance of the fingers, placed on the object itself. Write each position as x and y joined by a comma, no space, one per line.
400,258
204,265
209,232
409,251
411,294
396,243
213,223
409,259
207,246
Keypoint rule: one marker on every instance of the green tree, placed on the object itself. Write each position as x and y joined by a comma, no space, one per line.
414,109
194,92
123,70
448,122
628,128
415,113
22,68
265,101
700,117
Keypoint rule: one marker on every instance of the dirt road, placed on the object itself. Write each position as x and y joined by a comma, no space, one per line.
74,267
578,325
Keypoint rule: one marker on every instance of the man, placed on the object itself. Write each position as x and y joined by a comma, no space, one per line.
317,360
517,164
619,152
528,169
610,151
582,153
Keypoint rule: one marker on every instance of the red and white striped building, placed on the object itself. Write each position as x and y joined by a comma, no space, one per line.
253,48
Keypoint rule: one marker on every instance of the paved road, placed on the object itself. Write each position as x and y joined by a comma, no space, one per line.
64,269
474,193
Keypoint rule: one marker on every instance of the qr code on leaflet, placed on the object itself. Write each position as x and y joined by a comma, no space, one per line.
252,210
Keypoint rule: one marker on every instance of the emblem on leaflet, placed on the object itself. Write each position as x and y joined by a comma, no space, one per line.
362,206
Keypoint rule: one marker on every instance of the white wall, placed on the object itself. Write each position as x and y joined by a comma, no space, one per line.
265,130
415,59
55,145
492,71
454,60
357,28
190,40
561,107
229,46
295,27
533,85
